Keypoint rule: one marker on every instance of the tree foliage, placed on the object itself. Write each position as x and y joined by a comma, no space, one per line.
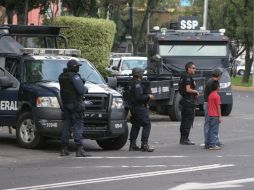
236,16
21,8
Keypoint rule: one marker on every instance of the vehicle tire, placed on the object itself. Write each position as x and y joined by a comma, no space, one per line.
114,143
26,132
175,109
241,72
160,109
226,109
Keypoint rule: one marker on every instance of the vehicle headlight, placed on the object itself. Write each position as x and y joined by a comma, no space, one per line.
117,103
225,84
49,102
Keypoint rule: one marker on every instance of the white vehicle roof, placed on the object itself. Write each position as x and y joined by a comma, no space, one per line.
134,58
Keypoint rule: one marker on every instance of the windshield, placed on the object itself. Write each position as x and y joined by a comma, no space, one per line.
130,64
49,70
193,50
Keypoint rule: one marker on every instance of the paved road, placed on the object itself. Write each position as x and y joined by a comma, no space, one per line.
171,166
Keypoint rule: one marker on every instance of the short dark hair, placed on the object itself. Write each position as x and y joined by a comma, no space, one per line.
215,85
188,65
216,73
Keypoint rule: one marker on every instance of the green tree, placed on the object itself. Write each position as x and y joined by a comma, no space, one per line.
21,8
236,16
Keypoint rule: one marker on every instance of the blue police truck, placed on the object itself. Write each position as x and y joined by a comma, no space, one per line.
29,89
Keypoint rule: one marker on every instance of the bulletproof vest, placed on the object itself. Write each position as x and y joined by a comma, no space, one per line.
131,94
67,90
131,98
182,87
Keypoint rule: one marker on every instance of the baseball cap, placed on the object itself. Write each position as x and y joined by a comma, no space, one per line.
137,71
73,63
217,72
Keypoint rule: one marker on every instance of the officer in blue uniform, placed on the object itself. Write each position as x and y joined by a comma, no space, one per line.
72,91
188,102
137,101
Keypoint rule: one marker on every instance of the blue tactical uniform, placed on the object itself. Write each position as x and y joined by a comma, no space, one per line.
188,104
137,101
72,91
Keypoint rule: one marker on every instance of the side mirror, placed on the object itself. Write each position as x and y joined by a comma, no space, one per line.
5,82
112,82
115,68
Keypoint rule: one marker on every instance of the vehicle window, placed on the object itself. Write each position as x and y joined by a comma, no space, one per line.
130,64
11,65
193,50
49,70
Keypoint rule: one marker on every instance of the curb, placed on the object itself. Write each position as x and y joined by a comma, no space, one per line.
243,88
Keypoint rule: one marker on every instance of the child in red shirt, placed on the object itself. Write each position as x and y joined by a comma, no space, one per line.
214,114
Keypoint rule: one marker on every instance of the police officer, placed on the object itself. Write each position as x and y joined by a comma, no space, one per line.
72,90
137,100
188,102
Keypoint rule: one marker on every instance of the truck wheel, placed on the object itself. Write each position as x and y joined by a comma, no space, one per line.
114,143
26,132
175,109
226,109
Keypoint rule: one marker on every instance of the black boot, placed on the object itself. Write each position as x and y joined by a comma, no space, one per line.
133,146
81,152
145,147
64,151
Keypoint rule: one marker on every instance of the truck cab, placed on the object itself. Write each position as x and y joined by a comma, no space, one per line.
30,96
126,64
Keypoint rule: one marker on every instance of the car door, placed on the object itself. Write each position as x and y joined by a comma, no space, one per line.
9,93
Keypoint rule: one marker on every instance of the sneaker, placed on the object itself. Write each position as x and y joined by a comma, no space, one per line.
215,147
220,144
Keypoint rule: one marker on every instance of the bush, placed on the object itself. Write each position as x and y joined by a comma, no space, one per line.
94,37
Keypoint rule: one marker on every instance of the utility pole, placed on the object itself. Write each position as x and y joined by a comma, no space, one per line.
205,14
253,49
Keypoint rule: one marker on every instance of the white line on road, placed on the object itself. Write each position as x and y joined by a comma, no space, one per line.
216,185
149,157
127,157
122,177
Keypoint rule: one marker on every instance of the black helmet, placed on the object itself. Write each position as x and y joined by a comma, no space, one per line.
217,72
73,63
137,71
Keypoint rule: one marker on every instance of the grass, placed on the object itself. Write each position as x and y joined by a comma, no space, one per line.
237,81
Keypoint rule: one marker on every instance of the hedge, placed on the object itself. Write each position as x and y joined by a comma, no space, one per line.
94,37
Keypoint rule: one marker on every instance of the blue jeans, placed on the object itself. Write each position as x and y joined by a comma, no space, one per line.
206,122
73,121
213,132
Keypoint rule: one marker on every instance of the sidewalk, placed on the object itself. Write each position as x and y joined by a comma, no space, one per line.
243,88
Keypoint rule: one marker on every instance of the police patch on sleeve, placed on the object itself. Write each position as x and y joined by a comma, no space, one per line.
76,77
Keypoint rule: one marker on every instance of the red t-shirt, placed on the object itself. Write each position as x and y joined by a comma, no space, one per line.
214,101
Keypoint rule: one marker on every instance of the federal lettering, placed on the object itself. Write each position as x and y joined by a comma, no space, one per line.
8,105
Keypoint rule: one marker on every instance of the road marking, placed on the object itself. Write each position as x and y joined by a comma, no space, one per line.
122,177
216,185
126,157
